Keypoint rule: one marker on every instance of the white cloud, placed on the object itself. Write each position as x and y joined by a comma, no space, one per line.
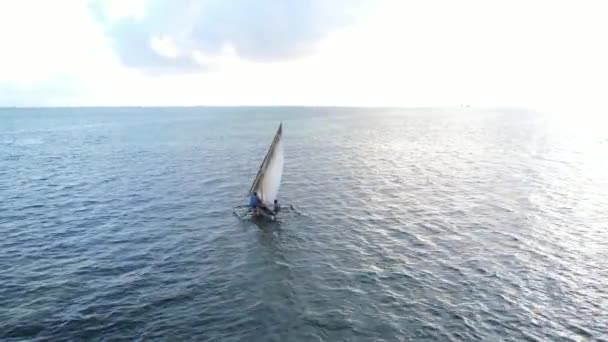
164,46
264,30
52,52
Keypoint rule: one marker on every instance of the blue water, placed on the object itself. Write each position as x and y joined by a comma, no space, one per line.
419,224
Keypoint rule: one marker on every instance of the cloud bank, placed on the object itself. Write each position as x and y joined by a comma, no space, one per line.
177,36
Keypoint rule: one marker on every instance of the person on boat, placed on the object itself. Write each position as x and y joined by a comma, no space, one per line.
276,208
254,201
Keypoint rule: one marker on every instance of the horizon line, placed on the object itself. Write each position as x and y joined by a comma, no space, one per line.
463,106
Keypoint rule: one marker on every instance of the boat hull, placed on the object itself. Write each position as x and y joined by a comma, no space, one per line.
259,213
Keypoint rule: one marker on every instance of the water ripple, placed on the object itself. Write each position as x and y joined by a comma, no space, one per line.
412,224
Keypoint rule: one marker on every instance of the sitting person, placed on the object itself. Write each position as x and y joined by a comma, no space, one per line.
254,201
255,204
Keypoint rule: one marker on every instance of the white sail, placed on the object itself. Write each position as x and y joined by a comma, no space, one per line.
268,179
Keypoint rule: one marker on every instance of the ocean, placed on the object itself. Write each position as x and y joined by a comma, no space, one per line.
430,224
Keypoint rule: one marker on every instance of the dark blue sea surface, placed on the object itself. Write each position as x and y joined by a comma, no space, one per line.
411,224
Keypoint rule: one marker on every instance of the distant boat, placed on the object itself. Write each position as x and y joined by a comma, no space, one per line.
268,179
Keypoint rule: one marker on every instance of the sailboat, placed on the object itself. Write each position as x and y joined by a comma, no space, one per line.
268,179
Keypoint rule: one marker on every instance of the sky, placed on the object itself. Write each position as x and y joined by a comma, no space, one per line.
534,54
